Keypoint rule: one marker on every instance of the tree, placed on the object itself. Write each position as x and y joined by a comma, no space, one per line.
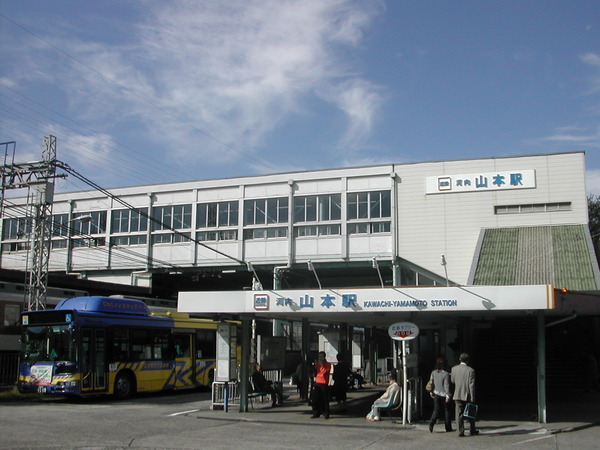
594,222
594,216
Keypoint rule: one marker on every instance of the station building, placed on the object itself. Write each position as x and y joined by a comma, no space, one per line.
507,221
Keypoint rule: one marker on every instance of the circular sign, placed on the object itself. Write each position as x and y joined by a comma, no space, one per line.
403,331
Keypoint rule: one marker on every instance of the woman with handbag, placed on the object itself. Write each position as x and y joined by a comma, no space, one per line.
440,393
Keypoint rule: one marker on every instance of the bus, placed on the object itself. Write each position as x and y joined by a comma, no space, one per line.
12,303
114,346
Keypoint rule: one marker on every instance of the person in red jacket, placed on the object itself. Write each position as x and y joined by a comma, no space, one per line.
320,400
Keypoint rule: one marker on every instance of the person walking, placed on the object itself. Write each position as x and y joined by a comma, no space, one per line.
320,400
441,395
463,378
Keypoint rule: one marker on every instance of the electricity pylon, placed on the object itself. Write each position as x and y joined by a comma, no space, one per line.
38,176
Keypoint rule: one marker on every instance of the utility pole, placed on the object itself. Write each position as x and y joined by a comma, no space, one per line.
38,176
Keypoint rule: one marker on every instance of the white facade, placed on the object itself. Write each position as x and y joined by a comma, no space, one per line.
270,221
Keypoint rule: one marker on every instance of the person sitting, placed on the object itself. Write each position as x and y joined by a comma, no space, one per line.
385,401
261,384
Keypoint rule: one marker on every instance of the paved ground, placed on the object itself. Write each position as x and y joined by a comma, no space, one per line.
185,420
575,411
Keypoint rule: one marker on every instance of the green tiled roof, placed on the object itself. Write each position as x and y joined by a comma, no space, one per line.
558,255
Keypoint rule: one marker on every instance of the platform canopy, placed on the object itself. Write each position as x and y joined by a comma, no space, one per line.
370,307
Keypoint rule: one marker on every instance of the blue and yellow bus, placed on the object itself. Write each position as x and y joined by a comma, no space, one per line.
114,346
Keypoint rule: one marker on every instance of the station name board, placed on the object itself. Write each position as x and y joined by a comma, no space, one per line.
409,299
480,182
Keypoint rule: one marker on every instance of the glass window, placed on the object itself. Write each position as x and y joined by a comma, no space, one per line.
222,214
59,225
369,205
380,227
206,347
265,233
262,211
175,217
17,228
129,240
12,315
89,242
129,221
59,243
320,208
358,228
96,225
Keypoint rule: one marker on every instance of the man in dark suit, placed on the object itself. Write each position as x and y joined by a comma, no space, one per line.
463,378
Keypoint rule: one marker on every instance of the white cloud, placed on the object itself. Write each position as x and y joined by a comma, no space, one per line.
575,135
359,100
223,75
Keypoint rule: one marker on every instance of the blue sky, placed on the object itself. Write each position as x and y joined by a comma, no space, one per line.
143,92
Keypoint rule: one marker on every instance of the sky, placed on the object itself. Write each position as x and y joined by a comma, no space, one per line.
146,92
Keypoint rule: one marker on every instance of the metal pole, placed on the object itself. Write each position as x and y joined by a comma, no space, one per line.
405,384
244,364
541,366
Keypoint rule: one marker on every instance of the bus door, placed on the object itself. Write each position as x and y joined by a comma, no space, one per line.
185,365
93,360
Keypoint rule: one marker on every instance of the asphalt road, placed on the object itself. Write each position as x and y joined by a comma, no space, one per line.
185,420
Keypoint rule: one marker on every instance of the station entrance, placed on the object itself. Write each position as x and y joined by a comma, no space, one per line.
505,329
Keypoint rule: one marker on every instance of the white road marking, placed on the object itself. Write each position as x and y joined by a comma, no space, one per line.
183,412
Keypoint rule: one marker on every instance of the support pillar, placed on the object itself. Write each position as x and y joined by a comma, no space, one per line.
245,363
541,366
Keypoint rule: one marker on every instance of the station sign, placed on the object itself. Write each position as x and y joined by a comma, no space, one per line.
403,331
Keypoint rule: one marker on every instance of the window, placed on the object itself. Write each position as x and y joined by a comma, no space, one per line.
266,211
146,344
171,238
222,214
206,346
59,225
12,315
319,208
229,235
18,228
532,208
89,242
369,205
318,230
369,228
129,221
174,217
139,239
96,225
265,233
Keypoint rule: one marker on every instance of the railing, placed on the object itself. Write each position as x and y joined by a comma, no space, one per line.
225,394
219,388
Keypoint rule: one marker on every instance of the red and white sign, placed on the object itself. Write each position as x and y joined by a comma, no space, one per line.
403,331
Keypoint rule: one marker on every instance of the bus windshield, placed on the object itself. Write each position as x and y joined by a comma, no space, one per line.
48,343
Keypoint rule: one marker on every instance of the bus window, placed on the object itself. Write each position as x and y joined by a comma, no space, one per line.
206,347
181,344
120,344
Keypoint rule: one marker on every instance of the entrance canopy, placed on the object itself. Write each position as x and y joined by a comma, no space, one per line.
369,307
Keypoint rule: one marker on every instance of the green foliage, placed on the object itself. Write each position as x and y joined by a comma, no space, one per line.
594,216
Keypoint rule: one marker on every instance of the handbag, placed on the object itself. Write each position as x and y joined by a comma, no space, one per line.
470,411
429,387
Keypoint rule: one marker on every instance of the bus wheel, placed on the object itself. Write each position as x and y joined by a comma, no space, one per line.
124,386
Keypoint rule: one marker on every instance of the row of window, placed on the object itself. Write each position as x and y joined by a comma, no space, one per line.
314,208
532,208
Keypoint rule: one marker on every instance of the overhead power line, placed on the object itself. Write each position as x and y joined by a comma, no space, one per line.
64,166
